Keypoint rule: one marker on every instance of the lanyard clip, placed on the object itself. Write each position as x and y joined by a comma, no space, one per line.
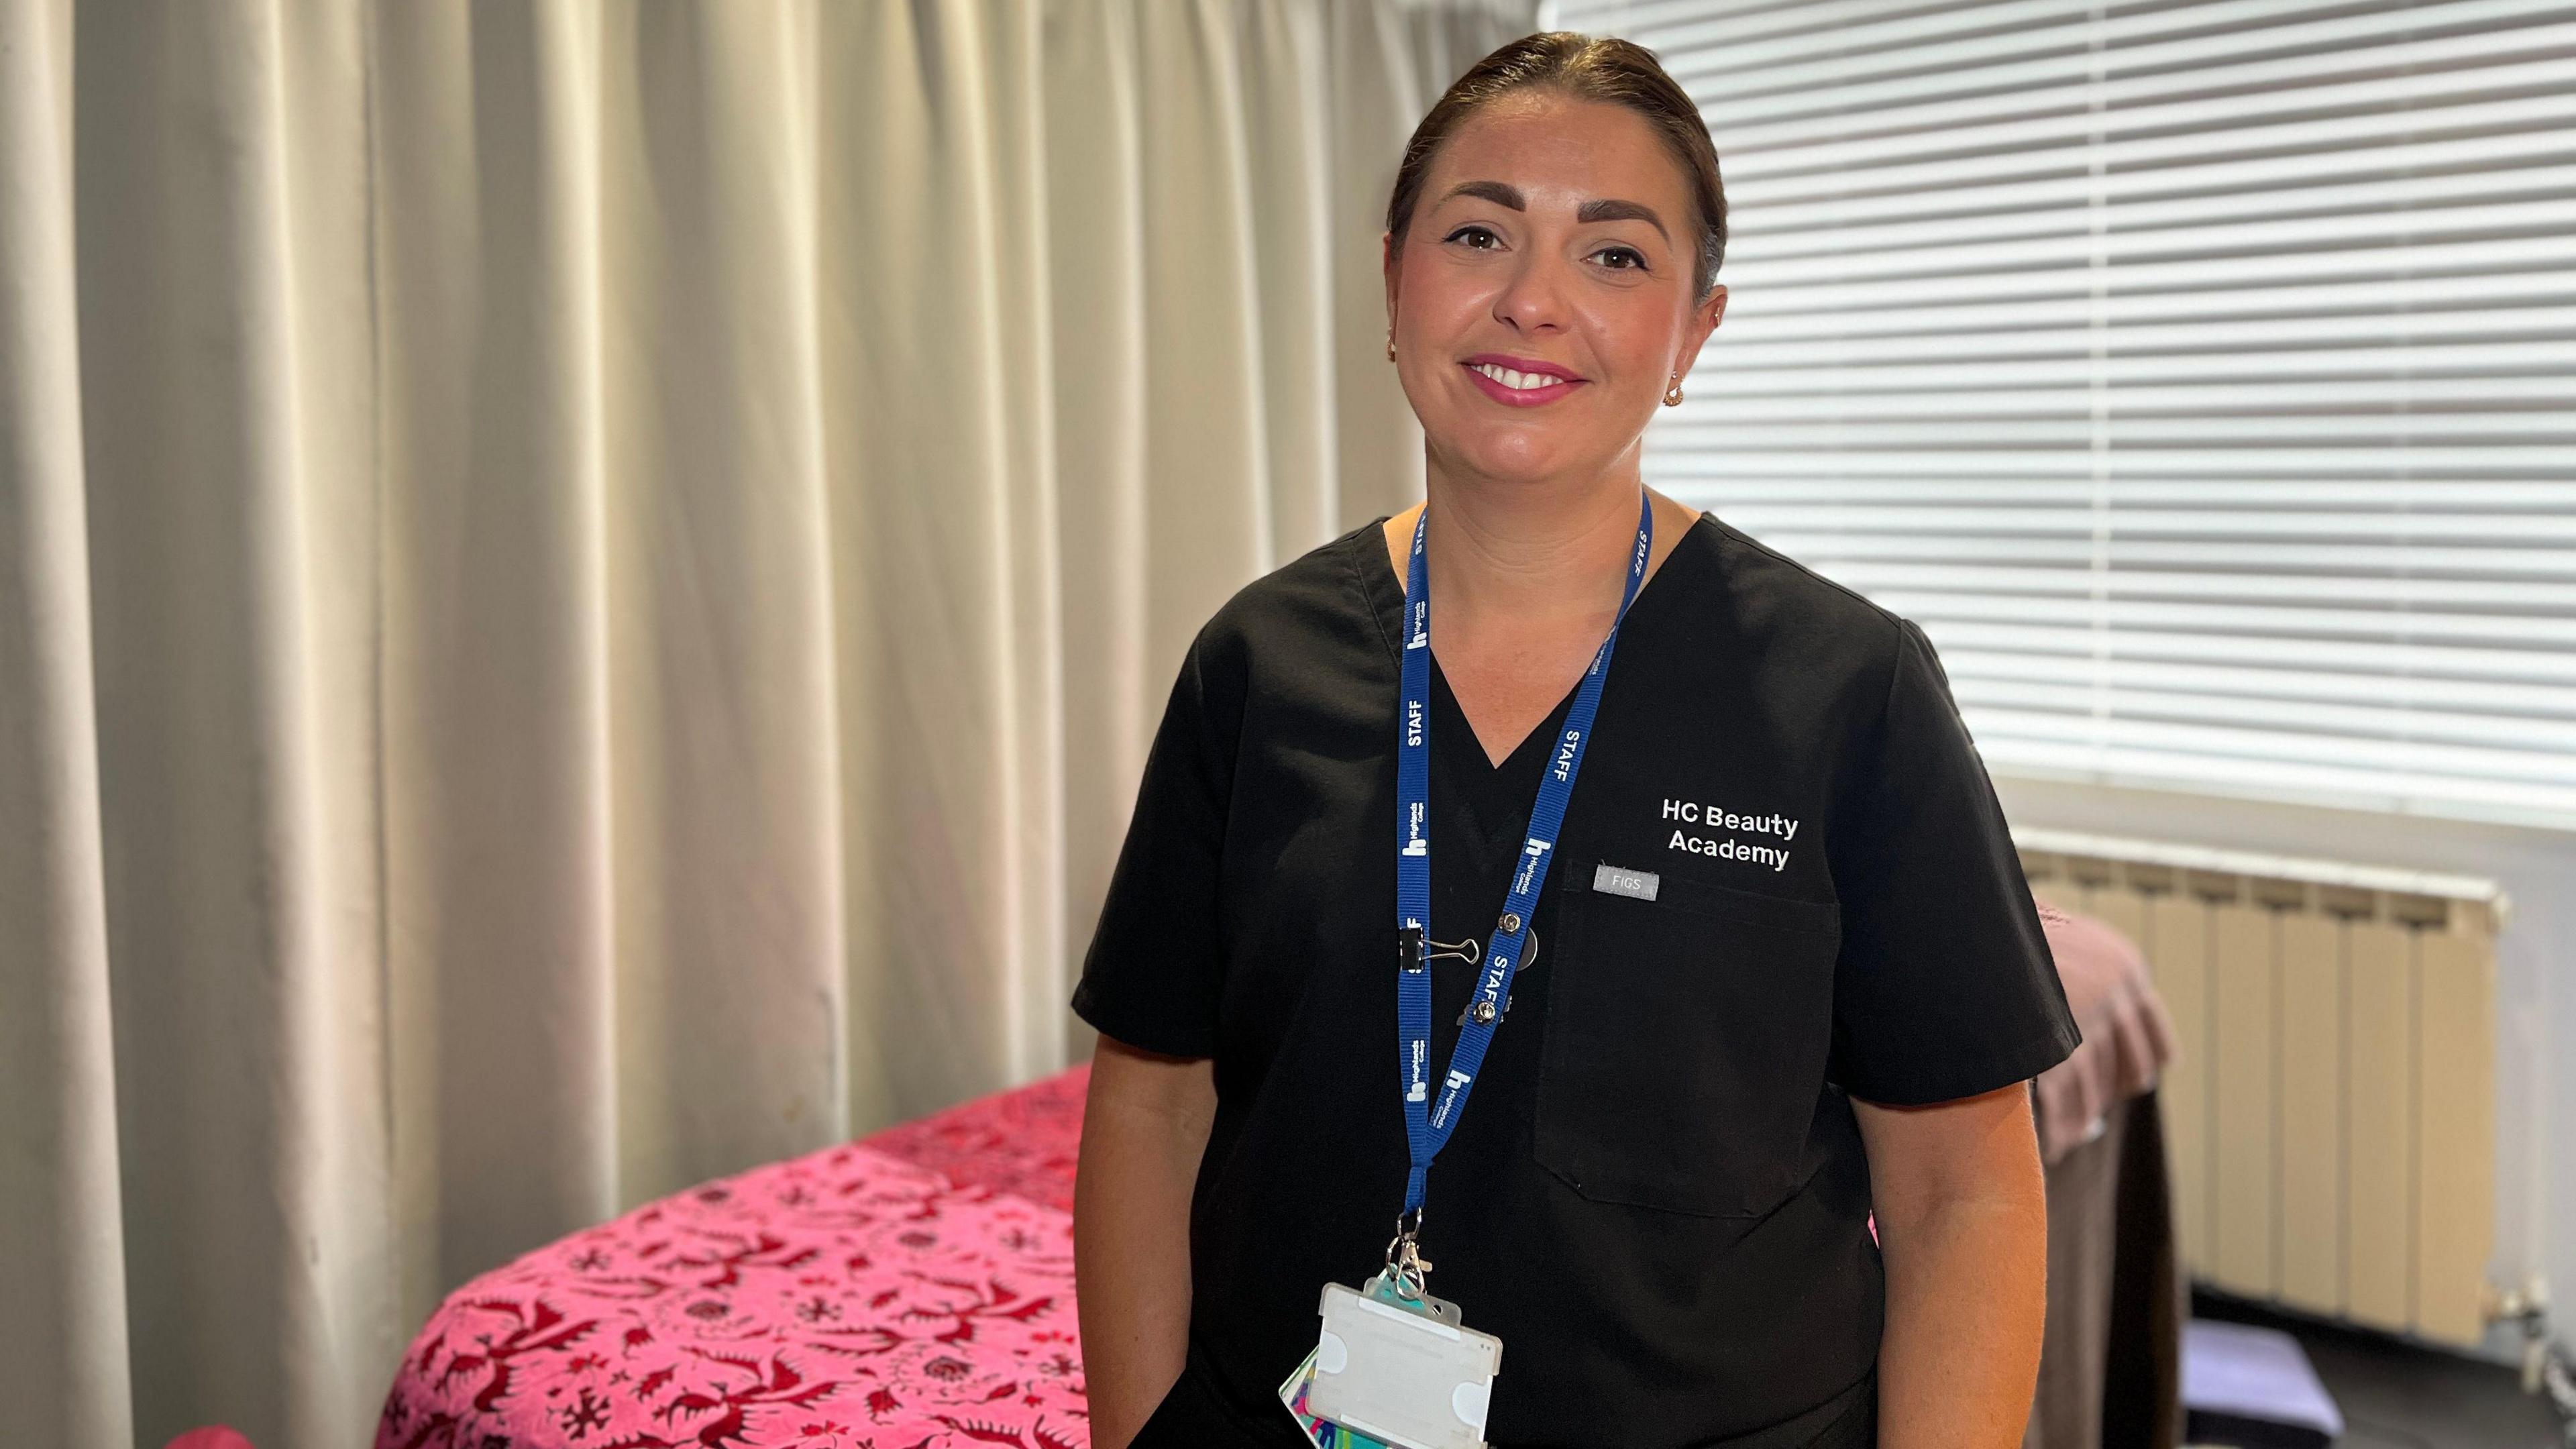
1408,948
1465,948
1405,1265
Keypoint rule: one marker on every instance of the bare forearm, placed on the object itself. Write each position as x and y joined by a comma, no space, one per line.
1963,1230
1141,1143
1967,1298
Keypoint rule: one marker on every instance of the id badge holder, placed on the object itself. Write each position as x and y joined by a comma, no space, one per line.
1398,1371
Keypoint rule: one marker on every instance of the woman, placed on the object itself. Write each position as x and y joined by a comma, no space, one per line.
1779,966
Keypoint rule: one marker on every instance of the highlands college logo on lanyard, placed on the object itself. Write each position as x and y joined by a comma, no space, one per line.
1394,1364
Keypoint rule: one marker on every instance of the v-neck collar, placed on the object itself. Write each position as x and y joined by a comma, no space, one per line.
1490,802
1443,697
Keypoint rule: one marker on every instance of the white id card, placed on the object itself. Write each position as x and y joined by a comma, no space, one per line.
1413,1381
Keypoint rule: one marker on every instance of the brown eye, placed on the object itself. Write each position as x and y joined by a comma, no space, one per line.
1475,231
1640,264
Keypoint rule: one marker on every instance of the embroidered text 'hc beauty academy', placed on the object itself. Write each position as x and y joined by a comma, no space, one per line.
1727,847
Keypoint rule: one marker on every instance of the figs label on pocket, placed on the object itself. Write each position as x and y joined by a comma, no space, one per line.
1618,880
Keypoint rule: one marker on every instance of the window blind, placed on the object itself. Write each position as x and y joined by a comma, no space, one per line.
2201,376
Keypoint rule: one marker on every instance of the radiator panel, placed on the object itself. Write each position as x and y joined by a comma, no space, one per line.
2455,1097
2380,1206
2312,1126
2243,1049
2178,954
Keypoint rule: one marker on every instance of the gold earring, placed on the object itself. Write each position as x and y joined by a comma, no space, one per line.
1390,344
1673,394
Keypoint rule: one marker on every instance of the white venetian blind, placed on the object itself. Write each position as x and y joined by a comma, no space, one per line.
2201,376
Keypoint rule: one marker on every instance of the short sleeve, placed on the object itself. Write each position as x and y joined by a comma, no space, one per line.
1152,974
1945,987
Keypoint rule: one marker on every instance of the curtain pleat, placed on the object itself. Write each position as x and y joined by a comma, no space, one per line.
583,590
1096,282
63,1337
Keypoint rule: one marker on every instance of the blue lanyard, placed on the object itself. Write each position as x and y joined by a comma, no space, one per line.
1427,1125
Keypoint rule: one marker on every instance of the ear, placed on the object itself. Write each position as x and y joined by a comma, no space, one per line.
1390,263
1704,320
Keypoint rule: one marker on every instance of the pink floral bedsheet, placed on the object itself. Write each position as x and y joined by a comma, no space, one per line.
912,1290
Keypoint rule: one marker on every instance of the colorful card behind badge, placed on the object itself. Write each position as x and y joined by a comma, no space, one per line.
1323,1433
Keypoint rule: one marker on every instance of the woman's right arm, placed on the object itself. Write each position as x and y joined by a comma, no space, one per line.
1144,1129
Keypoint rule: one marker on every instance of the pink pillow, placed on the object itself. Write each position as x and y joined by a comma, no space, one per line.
217,1437
2128,1038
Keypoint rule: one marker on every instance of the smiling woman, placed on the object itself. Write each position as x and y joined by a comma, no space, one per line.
1793,975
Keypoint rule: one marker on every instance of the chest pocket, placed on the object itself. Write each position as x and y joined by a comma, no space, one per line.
1686,1043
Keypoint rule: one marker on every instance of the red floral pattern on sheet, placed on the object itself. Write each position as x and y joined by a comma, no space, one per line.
913,1290
1019,1142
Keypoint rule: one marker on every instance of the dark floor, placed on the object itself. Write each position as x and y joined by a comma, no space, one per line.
2396,1395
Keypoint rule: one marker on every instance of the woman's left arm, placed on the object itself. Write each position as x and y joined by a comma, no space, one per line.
1963,1230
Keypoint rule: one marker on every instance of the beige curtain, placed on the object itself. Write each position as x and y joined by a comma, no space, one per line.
582,591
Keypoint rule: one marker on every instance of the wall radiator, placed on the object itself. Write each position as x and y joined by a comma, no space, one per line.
2330,1118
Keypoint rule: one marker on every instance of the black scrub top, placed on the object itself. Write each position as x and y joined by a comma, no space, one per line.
1657,1196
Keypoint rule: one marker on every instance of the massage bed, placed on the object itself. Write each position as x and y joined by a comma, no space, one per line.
910,1290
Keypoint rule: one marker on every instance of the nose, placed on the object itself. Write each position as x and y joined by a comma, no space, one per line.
1531,298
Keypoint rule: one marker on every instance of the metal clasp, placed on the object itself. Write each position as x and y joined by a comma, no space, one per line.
1405,1265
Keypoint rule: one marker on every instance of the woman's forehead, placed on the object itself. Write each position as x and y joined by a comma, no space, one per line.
1559,153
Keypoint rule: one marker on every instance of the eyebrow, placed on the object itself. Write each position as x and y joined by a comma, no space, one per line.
1503,193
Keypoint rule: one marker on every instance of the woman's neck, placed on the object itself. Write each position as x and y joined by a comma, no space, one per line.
1534,554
